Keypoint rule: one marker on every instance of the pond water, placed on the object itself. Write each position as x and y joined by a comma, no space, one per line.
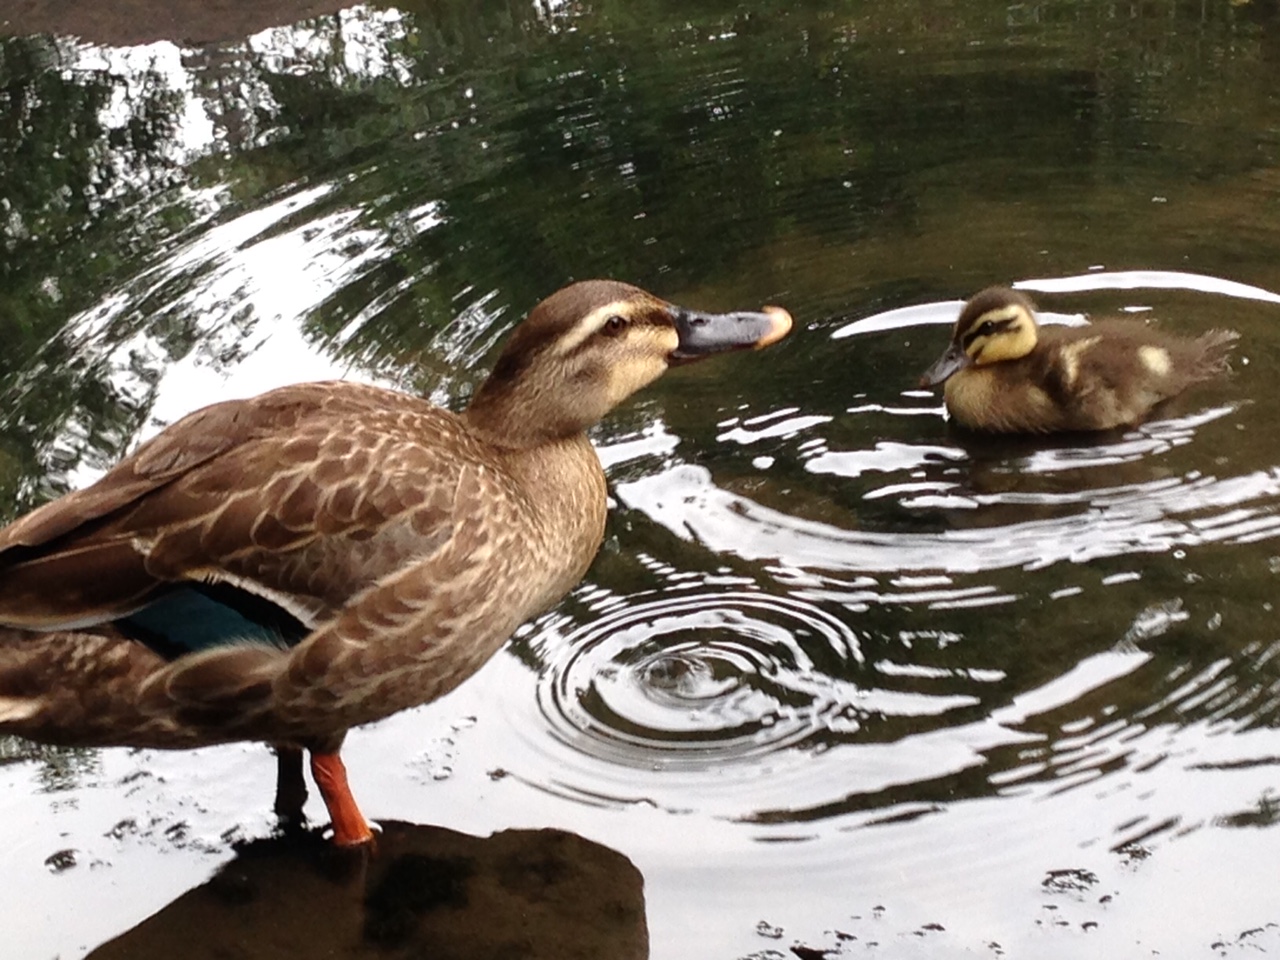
842,678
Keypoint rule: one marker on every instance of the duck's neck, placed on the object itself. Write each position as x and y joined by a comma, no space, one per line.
505,419
543,446
567,496
551,459
563,476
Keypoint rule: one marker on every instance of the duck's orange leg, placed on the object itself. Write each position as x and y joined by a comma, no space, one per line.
350,828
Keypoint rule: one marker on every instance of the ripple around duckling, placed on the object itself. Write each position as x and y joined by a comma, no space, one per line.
1154,517
696,679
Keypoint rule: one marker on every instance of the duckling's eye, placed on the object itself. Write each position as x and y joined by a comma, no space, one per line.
614,325
987,328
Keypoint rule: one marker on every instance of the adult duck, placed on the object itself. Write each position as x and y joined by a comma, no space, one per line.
1005,373
286,567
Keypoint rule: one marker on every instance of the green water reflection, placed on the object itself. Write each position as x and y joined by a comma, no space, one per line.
812,152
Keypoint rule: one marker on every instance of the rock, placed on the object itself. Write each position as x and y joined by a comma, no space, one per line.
424,892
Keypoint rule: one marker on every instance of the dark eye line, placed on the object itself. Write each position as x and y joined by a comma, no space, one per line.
986,328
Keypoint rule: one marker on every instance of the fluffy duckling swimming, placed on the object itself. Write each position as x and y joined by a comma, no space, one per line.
286,567
1005,373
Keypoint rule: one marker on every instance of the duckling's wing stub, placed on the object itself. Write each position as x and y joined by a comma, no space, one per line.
704,334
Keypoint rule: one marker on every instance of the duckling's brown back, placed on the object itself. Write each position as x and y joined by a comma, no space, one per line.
1113,373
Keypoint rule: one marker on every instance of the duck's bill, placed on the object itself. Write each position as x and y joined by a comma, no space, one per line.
704,334
954,359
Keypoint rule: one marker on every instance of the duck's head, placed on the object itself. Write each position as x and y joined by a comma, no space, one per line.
589,346
996,324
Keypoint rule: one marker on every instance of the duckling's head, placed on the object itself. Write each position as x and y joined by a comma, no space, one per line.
996,324
589,346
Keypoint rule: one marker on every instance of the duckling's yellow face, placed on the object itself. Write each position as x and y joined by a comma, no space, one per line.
995,325
588,347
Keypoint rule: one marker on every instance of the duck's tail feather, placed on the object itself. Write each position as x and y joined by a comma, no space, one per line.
76,687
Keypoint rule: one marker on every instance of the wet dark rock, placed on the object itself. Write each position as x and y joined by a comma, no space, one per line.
234,887
424,892
413,886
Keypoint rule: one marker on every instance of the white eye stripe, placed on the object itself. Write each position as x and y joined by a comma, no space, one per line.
592,324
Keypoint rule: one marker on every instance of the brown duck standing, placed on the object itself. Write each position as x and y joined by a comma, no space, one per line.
1005,373
324,555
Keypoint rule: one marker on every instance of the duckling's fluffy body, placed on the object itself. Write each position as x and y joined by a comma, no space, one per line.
1005,373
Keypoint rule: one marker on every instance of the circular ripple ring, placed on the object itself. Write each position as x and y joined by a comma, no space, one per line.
698,678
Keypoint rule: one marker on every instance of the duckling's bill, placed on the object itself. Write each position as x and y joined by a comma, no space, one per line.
953,360
704,334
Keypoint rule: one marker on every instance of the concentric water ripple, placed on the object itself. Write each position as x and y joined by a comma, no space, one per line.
702,678
732,703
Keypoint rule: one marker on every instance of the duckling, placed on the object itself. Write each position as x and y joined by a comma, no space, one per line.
321,556
1006,374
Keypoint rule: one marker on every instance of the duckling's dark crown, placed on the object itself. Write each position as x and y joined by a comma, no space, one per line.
987,301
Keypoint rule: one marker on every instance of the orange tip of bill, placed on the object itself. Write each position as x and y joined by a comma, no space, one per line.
781,326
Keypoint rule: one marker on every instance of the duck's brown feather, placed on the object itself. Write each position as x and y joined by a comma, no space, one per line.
280,489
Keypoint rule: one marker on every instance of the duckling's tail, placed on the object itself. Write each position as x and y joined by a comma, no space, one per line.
1215,350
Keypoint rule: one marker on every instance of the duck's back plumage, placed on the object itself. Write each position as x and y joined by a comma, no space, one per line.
256,489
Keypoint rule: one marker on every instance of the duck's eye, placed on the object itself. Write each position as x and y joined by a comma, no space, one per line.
987,328
614,325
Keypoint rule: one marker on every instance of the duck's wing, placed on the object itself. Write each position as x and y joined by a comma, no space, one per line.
251,493
371,515
410,637
183,446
